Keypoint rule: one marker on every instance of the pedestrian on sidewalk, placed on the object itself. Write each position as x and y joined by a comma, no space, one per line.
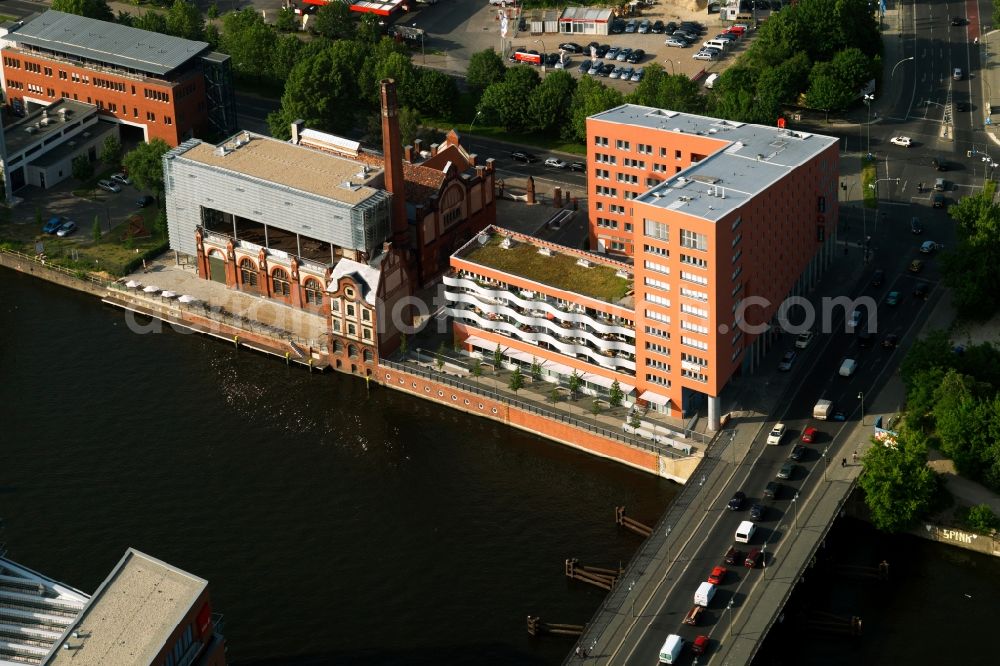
854,457
843,462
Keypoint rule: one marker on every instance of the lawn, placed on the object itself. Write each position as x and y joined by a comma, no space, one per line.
558,270
112,254
868,176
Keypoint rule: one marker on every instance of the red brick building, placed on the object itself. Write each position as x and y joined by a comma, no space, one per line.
166,87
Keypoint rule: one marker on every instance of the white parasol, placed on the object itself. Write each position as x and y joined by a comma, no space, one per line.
132,284
168,294
151,289
184,298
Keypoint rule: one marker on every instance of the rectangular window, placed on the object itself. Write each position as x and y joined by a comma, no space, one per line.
657,230
659,251
658,348
692,277
150,116
694,328
693,240
697,360
622,145
677,154
366,314
653,379
696,295
658,316
166,120
600,141
350,309
692,342
658,300
692,310
694,261
366,333
335,305
336,326
658,332
659,365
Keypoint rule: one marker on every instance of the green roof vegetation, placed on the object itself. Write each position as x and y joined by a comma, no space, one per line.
558,270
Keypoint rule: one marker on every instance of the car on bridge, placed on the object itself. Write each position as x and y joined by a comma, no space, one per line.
692,615
736,503
718,575
777,432
892,298
733,556
890,341
786,471
798,451
809,435
772,490
787,360
757,511
804,339
753,558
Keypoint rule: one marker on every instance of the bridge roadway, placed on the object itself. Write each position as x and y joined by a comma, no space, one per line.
657,589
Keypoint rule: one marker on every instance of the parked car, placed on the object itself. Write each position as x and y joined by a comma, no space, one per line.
772,490
809,435
563,63
626,74
584,66
623,54
704,55
636,56
66,229
637,75
786,471
753,559
612,53
903,141
602,50
804,339
144,200
892,298
890,341
631,26
718,575
657,27
736,503
121,178
52,226
595,67
606,70
733,556
777,432
615,73
797,452
109,186
617,27
644,26
571,47
786,361
676,42
523,156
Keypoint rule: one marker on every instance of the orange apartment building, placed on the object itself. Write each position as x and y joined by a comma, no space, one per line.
715,223
165,87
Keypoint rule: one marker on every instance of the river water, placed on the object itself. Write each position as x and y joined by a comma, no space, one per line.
338,525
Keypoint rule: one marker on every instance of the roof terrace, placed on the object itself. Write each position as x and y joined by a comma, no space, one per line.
549,264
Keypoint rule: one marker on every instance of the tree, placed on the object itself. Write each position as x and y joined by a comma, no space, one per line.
286,21
536,370
433,93
931,351
184,20
634,421
591,97
151,21
615,394
111,151
516,381
145,165
982,519
957,421
554,395
507,102
95,9
666,91
595,409
827,91
550,101
248,40
853,68
368,31
287,53
333,21
439,356
95,231
573,383
125,18
476,369
898,484
497,357
403,346
82,168
485,68
212,12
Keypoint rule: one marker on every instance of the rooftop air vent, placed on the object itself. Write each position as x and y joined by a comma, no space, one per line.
30,129
221,151
483,238
622,273
506,243
545,252
585,263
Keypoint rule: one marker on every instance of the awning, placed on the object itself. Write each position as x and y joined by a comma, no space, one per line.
654,398
606,382
489,346
481,343
552,366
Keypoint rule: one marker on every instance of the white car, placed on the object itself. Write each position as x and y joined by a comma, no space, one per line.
903,141
109,186
704,55
121,178
555,163
777,432
679,43
804,339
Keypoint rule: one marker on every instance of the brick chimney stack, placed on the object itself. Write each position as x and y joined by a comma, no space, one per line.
392,150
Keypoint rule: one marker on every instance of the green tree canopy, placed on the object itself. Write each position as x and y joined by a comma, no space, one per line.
321,90
184,20
827,91
95,9
666,91
151,21
550,101
334,21
432,92
249,41
591,97
81,168
111,151
898,484
508,102
145,165
485,69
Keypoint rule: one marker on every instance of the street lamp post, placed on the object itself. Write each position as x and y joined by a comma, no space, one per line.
898,64
729,607
544,53
667,542
874,187
795,511
630,586
732,445
861,397
673,71
869,98
472,124
826,461
763,561
423,54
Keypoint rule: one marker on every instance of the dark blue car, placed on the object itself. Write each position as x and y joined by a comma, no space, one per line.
53,225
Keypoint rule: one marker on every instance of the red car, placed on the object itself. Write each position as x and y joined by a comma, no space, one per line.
752,559
809,435
718,575
699,645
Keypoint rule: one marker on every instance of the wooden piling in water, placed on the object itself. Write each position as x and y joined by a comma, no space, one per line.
605,580
630,523
537,628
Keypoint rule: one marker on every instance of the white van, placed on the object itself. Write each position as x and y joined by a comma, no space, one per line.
671,649
721,44
710,81
703,596
745,532
848,367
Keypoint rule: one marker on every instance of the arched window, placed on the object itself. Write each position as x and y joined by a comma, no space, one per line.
314,292
369,357
338,347
279,283
352,351
248,272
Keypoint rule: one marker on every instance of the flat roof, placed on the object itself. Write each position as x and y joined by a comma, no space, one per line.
60,152
748,159
597,14
17,134
130,617
298,167
563,267
112,43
